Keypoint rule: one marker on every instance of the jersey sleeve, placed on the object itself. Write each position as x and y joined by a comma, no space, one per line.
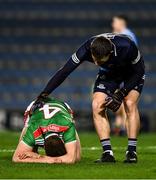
74,61
137,64
82,53
134,54
28,138
26,114
70,134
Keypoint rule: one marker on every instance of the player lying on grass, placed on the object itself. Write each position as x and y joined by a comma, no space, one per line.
52,128
120,62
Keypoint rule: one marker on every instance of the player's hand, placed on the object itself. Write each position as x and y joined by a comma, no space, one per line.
113,102
40,101
29,155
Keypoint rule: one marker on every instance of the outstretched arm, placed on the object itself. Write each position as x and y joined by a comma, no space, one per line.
82,54
75,60
53,83
60,76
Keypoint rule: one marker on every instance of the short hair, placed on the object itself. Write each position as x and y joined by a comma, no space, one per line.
54,146
101,47
122,17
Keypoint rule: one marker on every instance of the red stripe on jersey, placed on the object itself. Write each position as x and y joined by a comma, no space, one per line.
37,133
52,127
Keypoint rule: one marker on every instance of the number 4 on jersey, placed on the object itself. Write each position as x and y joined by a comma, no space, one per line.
48,111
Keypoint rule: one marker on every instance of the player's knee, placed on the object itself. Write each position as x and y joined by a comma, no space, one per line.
130,106
97,106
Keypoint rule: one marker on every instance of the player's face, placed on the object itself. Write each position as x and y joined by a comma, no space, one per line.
117,25
101,61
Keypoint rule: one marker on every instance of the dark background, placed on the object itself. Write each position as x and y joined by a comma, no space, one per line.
38,36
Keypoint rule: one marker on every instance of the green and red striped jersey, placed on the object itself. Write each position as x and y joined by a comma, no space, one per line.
54,117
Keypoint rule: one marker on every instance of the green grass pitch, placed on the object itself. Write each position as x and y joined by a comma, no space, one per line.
86,169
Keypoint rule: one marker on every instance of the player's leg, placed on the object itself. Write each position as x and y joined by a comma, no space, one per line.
133,123
102,88
100,116
120,120
102,126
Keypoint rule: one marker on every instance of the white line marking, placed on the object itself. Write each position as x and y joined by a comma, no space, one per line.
6,150
93,148
118,148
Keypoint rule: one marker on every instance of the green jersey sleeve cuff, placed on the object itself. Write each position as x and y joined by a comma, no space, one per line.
74,141
26,143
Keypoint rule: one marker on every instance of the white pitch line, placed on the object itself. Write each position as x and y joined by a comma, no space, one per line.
118,148
6,150
93,148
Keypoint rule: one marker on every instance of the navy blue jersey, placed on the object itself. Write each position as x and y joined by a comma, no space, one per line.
125,63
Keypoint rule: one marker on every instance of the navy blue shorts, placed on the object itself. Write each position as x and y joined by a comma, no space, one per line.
107,86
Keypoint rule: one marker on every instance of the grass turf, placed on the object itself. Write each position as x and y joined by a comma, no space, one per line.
86,169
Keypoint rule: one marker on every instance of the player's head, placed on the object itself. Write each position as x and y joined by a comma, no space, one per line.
54,146
101,49
119,23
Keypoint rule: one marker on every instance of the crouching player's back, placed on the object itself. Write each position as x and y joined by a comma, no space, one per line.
52,128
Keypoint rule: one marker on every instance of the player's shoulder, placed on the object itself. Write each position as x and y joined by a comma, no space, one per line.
32,122
86,44
32,126
122,40
65,121
119,40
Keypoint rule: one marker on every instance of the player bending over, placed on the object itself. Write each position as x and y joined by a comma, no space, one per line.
52,128
119,61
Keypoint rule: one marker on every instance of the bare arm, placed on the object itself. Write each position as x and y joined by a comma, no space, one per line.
71,156
22,133
25,154
78,148
41,159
